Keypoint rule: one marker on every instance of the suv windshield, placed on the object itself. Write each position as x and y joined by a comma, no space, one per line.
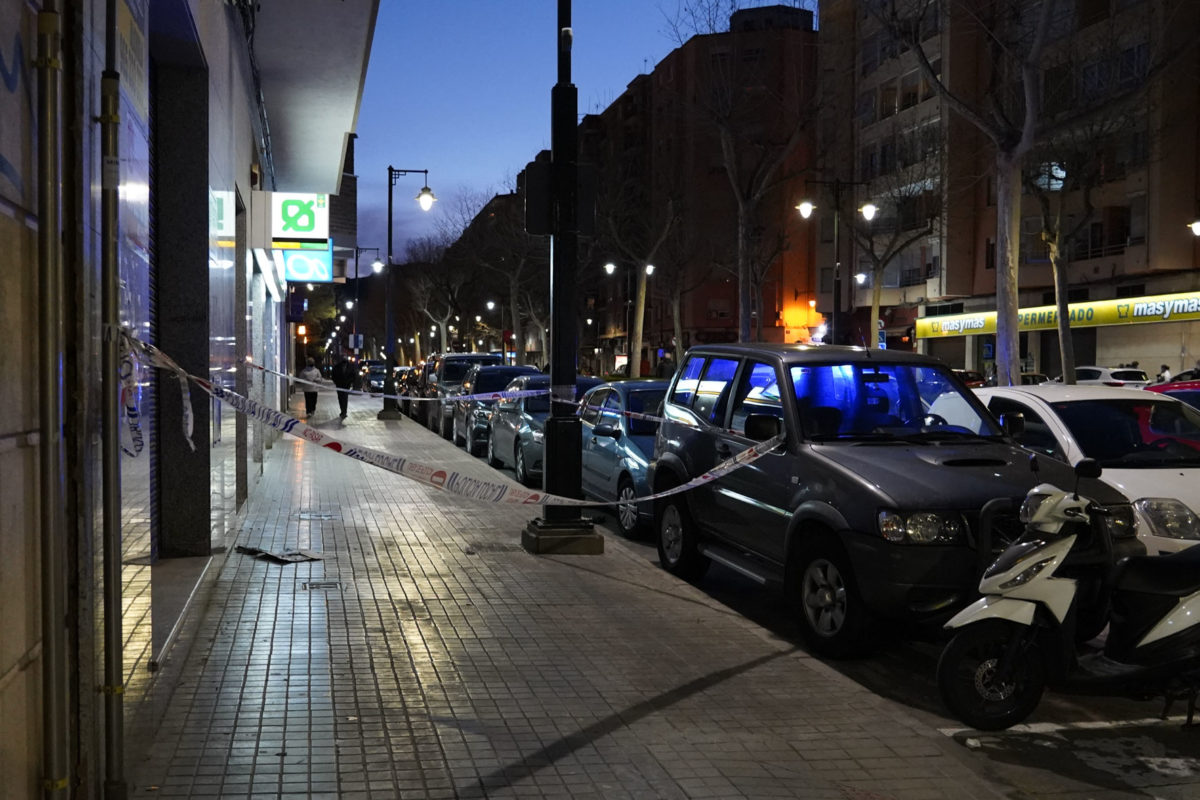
874,400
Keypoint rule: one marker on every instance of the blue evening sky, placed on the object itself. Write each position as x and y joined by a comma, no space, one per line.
462,88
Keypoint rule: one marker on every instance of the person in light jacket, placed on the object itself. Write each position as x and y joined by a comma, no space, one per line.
313,375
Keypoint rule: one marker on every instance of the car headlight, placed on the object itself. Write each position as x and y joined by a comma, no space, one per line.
538,436
920,527
1166,516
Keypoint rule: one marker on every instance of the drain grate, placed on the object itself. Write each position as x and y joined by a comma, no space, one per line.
317,515
492,547
315,585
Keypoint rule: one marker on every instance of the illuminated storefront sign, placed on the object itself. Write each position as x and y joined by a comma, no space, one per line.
311,266
1182,307
299,221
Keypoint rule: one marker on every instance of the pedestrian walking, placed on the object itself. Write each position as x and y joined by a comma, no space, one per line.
343,379
311,374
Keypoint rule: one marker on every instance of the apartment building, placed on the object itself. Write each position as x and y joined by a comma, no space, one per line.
1124,73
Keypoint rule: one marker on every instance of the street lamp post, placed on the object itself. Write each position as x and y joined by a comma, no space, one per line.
425,199
806,208
376,265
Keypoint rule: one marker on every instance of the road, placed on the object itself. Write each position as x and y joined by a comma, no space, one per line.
1071,748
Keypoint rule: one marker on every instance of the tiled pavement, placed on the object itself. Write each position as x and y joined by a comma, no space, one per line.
428,656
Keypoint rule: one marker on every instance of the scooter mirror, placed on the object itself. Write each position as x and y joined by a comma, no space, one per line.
1088,468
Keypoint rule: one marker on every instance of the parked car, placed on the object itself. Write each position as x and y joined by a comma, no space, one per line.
970,377
870,508
1148,445
1185,375
1187,391
1034,378
376,374
617,447
471,417
1109,376
517,428
414,387
445,381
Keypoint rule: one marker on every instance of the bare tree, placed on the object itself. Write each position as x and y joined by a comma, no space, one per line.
909,205
1018,38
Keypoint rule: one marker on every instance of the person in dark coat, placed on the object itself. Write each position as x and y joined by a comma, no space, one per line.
343,379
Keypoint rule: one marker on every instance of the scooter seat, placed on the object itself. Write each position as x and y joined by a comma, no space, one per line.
1177,574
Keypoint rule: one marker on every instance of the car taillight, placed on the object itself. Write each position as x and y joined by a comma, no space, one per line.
1114,383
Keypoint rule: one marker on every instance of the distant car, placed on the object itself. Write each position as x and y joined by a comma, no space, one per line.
376,374
1126,377
471,417
444,382
1186,375
1149,447
617,448
972,378
1034,378
1187,391
517,428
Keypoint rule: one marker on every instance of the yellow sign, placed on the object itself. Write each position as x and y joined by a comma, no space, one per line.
1182,307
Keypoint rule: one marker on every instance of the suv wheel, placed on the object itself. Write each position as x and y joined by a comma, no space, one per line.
445,426
677,551
821,586
459,439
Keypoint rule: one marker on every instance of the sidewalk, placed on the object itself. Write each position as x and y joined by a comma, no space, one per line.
428,656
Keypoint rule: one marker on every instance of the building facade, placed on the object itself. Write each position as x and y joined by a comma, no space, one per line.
138,150
1118,124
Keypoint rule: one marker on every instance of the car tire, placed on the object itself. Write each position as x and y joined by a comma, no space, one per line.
824,594
458,438
474,446
446,427
519,466
491,451
628,518
675,535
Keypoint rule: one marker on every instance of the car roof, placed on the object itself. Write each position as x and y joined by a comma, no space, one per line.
633,384
1174,386
814,354
1060,392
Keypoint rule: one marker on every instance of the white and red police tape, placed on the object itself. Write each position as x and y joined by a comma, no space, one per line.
448,480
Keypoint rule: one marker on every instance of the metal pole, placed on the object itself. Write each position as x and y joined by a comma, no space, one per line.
387,299
837,261
55,693
562,529
114,647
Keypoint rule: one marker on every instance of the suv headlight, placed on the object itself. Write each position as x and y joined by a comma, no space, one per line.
920,527
538,436
1166,516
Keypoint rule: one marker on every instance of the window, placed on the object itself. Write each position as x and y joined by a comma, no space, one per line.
712,392
1037,435
928,89
645,401
689,379
989,254
865,108
869,53
1137,219
1051,176
887,101
757,393
887,157
592,402
910,88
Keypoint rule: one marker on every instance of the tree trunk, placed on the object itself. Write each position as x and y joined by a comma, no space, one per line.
514,311
876,293
1066,345
639,318
743,272
417,347
1008,220
758,318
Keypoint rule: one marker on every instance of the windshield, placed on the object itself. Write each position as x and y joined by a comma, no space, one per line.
878,400
1138,432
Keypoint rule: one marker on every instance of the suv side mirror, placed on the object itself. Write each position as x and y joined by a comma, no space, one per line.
761,427
1013,423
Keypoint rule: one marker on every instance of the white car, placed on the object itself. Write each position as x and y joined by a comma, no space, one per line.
1127,377
1148,445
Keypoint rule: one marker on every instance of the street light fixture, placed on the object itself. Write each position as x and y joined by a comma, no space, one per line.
425,200
1195,226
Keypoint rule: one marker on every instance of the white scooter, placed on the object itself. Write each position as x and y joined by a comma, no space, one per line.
1020,636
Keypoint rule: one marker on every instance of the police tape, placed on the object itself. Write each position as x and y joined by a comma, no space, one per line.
455,398
451,481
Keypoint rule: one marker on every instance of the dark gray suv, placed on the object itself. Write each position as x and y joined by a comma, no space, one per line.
871,506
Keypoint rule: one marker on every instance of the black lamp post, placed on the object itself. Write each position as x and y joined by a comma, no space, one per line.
806,208
425,199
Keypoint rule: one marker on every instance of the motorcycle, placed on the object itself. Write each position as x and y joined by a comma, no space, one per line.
1021,635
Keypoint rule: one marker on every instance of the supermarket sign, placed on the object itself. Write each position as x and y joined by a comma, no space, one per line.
1182,307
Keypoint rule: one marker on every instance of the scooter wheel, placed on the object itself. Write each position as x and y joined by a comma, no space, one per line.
972,690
